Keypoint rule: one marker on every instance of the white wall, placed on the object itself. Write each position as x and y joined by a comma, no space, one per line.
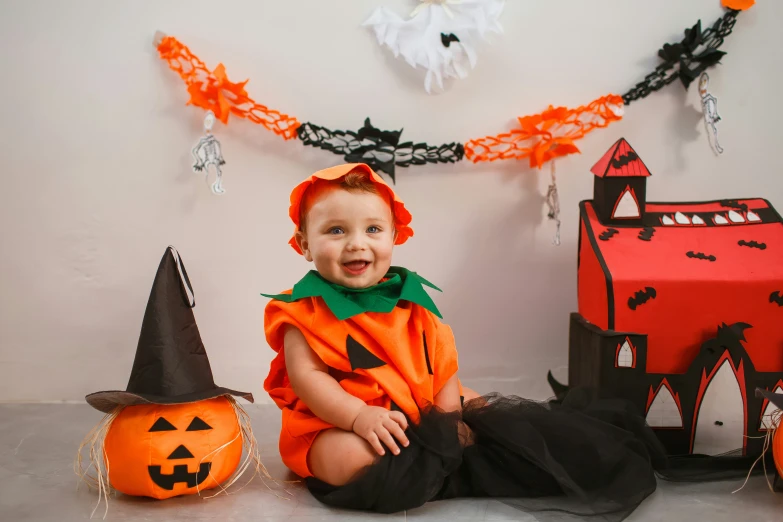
95,139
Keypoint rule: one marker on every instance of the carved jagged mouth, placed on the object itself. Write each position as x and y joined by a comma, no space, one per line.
180,474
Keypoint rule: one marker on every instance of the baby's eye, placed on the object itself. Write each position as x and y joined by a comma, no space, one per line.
373,230
335,230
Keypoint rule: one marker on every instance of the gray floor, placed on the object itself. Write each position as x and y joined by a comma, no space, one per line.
37,483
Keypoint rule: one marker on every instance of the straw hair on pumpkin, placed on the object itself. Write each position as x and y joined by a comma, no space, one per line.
96,473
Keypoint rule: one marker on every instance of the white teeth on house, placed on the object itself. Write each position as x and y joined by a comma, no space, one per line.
681,219
736,217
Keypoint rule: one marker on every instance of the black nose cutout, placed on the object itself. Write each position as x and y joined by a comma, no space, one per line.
180,453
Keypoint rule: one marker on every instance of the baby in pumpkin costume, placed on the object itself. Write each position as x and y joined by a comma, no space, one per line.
365,373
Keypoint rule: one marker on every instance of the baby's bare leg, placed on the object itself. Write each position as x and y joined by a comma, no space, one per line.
337,456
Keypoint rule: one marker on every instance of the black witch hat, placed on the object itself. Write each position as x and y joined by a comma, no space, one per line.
171,365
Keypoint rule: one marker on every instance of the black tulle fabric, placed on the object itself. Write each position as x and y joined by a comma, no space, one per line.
559,460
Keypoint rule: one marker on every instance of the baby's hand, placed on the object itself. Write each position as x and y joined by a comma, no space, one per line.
376,425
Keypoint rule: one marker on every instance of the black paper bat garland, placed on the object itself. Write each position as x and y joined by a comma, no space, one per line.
686,59
776,298
641,297
379,149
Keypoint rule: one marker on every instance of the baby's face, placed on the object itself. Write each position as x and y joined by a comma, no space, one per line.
350,237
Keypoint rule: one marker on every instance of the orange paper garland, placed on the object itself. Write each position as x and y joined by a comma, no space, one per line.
212,90
548,135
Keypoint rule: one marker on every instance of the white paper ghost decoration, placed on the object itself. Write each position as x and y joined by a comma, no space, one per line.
440,35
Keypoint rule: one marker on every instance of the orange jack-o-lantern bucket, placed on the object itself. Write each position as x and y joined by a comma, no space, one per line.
165,451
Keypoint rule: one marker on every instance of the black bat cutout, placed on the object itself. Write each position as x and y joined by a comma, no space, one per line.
752,244
641,297
776,298
734,203
625,159
446,39
646,234
701,255
607,234
728,336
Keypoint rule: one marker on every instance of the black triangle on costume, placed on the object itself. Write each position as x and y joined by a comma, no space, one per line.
162,425
198,425
170,357
426,352
360,357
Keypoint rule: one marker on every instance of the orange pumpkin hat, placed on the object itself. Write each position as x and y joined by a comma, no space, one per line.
402,217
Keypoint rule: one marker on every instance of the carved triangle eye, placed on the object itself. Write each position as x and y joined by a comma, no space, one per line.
162,425
198,425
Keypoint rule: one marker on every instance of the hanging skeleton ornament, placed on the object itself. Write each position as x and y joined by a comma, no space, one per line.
207,152
441,35
709,106
553,203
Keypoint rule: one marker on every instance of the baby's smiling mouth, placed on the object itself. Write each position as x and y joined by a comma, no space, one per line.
356,267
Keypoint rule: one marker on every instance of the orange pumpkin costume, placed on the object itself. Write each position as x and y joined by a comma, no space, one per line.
401,358
396,358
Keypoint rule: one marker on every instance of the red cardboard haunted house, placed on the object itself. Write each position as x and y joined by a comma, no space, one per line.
680,309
